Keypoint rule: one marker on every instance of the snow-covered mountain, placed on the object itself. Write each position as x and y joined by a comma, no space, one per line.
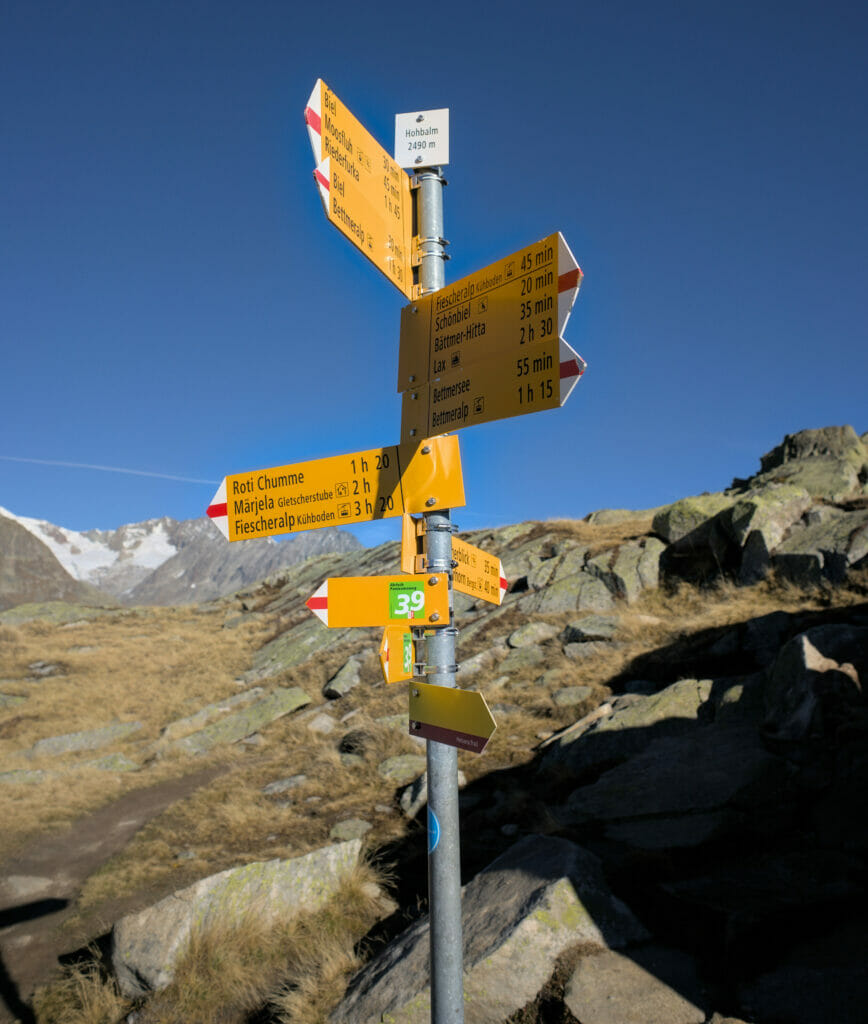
112,560
166,561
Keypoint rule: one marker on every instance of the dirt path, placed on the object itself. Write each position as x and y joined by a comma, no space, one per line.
38,885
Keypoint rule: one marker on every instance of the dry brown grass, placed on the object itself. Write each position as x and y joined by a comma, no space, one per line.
231,821
82,995
146,665
297,967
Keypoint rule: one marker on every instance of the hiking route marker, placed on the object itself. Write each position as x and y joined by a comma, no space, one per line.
339,490
366,194
459,718
499,312
475,573
397,654
489,347
382,601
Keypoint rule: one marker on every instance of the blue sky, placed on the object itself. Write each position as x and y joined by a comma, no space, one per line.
174,301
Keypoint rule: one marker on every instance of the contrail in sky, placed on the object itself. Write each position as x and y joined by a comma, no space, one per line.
108,469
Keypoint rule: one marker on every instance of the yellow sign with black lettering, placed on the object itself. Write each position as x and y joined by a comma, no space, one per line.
507,385
475,572
340,490
504,310
366,194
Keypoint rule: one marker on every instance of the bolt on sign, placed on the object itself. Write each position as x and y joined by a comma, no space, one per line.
476,573
507,385
366,194
397,654
504,310
339,490
458,718
382,601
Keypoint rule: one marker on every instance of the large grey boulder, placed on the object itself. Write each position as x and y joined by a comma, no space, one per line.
686,516
345,679
532,633
540,897
209,713
630,723
650,985
613,516
681,791
146,946
825,549
759,521
769,510
579,592
292,648
817,676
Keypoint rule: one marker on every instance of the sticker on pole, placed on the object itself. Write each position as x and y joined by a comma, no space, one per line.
407,600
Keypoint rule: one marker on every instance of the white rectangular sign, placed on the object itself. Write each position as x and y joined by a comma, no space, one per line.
422,138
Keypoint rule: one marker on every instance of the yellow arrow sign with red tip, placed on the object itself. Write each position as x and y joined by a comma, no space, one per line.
340,490
382,601
366,194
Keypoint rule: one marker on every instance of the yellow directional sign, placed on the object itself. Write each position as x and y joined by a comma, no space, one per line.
540,378
366,194
458,718
477,573
340,490
382,601
507,308
397,654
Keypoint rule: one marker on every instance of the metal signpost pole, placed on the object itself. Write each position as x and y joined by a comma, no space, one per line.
444,856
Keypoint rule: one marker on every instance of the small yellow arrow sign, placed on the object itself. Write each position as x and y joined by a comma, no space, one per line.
397,654
382,601
477,573
458,718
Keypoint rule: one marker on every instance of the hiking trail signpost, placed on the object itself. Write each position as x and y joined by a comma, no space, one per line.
488,347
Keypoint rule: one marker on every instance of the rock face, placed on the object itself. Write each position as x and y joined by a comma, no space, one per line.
146,946
542,896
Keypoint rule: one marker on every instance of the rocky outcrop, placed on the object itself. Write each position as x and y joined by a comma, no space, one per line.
829,463
802,516
519,914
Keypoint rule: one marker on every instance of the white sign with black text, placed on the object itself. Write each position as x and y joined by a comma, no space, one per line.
422,138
